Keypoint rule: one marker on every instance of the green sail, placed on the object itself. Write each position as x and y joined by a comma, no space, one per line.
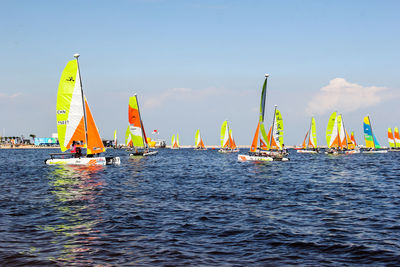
331,124
197,138
279,127
172,140
313,132
128,136
224,133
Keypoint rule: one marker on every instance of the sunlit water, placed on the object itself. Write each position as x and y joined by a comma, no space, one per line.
185,207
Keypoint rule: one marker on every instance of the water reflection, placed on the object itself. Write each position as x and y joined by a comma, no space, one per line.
77,212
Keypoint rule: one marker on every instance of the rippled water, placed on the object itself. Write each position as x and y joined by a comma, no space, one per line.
185,207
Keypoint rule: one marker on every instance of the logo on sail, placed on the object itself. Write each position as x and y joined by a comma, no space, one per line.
70,79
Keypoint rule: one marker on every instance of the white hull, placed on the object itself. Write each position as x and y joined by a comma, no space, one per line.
199,148
307,151
228,151
355,151
84,161
141,154
244,158
394,150
174,147
375,151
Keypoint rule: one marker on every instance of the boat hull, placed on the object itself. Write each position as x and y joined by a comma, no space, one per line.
304,151
375,151
143,154
228,151
244,158
84,161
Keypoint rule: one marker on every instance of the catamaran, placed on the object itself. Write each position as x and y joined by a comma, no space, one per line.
371,143
394,140
227,143
337,138
199,144
310,140
260,149
175,141
75,123
138,134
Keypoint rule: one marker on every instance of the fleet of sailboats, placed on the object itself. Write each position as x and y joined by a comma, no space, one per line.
75,123
77,131
337,137
394,140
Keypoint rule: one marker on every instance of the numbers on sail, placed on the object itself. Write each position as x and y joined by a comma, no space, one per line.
62,122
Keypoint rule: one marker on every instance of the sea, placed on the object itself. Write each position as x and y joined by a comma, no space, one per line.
200,208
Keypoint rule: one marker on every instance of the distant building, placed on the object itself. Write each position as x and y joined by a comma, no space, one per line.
40,141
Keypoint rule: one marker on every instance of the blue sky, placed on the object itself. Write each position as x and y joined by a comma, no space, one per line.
196,63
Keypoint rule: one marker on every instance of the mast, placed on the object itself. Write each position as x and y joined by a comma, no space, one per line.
83,102
345,133
373,139
263,100
338,133
272,129
141,123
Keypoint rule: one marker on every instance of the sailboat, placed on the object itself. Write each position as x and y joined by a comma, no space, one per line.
260,149
227,144
394,140
138,134
371,143
337,138
310,140
75,123
199,144
175,142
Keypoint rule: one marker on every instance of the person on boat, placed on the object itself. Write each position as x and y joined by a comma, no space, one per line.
76,150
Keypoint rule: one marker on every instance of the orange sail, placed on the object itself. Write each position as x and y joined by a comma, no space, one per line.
353,139
94,142
253,147
304,142
274,145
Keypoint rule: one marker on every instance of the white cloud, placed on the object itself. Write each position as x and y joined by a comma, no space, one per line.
6,96
341,95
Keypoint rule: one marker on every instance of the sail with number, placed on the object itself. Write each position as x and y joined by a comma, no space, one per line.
74,118
276,140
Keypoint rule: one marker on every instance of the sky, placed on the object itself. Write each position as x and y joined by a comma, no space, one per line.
195,64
